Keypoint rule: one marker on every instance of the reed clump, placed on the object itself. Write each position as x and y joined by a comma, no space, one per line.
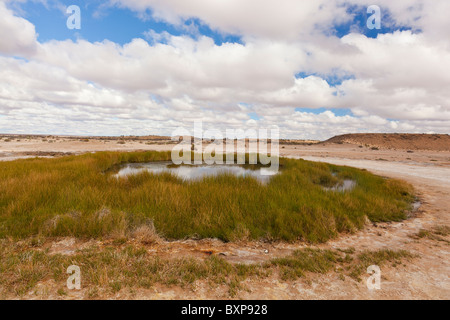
79,196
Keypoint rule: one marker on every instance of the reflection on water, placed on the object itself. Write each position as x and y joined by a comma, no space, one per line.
193,172
346,185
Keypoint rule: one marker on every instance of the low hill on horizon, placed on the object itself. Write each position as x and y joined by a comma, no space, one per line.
407,141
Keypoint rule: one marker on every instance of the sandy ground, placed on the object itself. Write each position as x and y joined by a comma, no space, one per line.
426,277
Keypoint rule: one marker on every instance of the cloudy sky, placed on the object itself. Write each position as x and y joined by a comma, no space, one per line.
139,67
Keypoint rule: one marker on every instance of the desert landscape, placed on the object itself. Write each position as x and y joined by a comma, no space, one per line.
242,152
415,265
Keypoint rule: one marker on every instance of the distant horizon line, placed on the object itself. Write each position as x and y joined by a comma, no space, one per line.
204,138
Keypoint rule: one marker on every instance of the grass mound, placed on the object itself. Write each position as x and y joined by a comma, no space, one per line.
78,196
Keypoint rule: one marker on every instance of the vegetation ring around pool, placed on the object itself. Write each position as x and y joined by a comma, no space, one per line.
80,196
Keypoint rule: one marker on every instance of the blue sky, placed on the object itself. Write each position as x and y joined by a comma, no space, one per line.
101,21
297,66
338,112
106,22
359,23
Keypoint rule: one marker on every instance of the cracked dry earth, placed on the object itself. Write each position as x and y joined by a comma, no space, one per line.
425,277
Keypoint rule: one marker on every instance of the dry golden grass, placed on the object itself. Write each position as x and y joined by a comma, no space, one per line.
146,234
111,269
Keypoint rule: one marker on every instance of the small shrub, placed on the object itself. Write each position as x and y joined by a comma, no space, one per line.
146,234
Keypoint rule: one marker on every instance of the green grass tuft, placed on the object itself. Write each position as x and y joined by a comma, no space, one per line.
79,196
